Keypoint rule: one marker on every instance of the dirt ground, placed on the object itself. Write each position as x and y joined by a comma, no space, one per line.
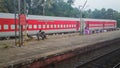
9,53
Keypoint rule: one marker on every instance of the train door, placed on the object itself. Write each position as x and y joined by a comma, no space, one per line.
86,25
77,26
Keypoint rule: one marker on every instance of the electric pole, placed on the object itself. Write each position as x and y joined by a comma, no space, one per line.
81,20
44,4
15,23
21,19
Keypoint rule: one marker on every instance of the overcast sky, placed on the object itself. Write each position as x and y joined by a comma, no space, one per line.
92,4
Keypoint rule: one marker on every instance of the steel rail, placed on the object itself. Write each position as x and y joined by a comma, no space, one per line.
99,58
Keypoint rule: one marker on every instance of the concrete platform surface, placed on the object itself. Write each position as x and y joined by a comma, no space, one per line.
37,49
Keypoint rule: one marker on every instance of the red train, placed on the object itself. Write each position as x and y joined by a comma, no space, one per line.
52,24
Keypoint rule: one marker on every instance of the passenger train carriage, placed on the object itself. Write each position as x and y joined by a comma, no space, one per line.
52,24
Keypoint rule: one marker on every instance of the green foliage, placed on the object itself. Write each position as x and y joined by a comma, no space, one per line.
70,2
59,8
6,5
103,14
117,15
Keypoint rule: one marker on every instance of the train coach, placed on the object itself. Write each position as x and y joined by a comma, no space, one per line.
52,24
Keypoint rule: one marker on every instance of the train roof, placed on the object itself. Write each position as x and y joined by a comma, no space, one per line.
39,17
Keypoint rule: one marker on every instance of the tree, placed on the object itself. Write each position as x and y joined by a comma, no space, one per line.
59,8
96,13
103,13
70,2
7,6
38,6
110,13
88,14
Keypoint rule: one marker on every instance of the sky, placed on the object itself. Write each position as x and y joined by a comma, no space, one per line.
92,4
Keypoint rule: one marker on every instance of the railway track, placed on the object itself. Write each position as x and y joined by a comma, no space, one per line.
82,60
109,60
117,65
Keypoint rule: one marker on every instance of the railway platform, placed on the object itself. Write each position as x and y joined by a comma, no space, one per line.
37,54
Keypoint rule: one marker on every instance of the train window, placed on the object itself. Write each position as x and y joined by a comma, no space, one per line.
12,26
74,25
61,26
0,27
30,26
35,26
67,25
54,26
47,26
43,26
64,26
58,26
5,27
51,26
39,26
17,26
70,25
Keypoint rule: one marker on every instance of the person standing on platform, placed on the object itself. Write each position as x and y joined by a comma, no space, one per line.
87,30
